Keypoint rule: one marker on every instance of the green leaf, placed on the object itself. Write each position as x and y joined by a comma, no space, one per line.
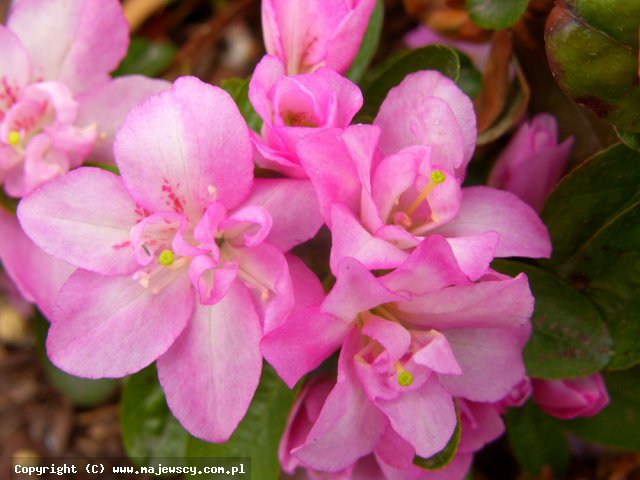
393,71
537,440
470,79
592,47
10,204
146,58
259,433
496,14
569,337
103,166
238,88
443,457
619,423
369,44
149,430
81,391
630,139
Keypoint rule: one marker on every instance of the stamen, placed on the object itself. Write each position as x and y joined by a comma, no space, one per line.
166,258
404,377
14,137
435,179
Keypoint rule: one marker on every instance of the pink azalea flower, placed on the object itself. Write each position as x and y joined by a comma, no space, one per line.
572,397
180,259
412,341
58,104
384,188
533,161
315,33
294,106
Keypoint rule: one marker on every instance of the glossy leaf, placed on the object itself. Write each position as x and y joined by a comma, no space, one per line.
393,71
569,336
496,14
146,58
630,139
470,79
537,440
148,427
618,424
443,457
258,434
369,44
238,88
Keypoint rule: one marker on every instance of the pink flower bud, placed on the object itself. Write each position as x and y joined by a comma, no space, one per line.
533,161
571,398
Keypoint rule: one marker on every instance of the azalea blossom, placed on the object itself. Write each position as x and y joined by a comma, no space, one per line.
58,104
572,397
411,341
533,161
384,188
180,259
294,106
315,33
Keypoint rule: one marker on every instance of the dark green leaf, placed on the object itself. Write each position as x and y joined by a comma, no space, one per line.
630,139
569,337
496,14
238,88
369,44
10,204
619,423
148,427
259,433
103,166
81,391
537,440
146,58
470,79
393,71
443,457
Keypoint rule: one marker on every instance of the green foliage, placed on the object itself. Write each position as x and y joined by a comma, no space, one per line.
146,58
619,423
369,44
443,457
592,46
537,440
238,88
630,139
470,79
259,433
569,337
393,71
496,14
148,427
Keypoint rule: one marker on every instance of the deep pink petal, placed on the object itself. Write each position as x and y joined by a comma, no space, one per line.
293,207
175,155
77,42
484,209
212,371
112,326
572,397
107,106
83,218
481,424
266,74
37,275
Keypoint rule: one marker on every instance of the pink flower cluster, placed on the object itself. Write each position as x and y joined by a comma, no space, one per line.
183,259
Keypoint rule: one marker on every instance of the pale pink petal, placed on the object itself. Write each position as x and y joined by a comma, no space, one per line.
248,226
113,326
428,108
481,424
15,69
351,240
211,283
293,207
83,218
426,417
37,275
265,76
504,303
77,42
474,254
174,154
356,290
436,354
391,335
484,209
394,450
349,426
211,372
107,106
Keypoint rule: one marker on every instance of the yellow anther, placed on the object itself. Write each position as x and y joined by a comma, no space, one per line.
435,178
166,258
14,137
405,378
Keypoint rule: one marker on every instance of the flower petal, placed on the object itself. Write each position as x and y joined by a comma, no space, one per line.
112,326
83,218
15,69
212,371
175,155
